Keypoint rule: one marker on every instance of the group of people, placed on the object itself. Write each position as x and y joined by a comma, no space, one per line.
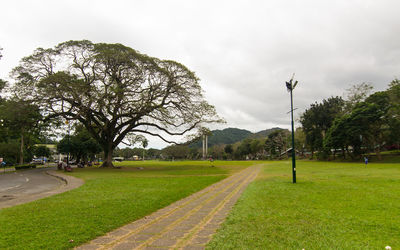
67,167
64,165
82,164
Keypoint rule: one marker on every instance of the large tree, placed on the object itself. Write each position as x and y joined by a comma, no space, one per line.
357,93
317,119
277,143
376,110
113,90
365,126
394,112
21,119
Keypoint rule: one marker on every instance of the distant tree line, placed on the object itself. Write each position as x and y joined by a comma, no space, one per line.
357,124
361,122
274,146
131,153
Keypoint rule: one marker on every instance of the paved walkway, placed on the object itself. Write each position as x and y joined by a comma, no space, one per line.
185,224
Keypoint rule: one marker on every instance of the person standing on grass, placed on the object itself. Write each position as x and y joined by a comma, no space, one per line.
366,161
64,164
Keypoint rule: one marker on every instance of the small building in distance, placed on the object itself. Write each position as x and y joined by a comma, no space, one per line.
118,158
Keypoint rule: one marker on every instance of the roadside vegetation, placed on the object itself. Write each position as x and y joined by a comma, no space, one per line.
333,206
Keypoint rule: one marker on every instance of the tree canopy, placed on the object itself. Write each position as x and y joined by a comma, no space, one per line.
42,151
113,90
367,123
317,119
19,118
80,145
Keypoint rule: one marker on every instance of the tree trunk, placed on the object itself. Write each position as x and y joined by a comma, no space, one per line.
344,153
78,159
108,152
378,152
21,150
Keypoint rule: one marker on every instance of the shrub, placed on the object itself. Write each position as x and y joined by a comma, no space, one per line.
25,166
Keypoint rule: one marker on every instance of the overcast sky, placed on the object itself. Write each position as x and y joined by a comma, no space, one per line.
243,51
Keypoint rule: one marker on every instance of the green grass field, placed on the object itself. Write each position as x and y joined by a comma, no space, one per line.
333,206
109,199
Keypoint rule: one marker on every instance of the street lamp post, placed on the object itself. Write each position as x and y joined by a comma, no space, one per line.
290,87
68,147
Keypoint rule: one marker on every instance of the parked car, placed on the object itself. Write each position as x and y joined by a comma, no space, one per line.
37,161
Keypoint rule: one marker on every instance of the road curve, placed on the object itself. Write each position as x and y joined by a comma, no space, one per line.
28,185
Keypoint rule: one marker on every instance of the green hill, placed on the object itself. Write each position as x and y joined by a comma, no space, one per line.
231,136
225,136
264,133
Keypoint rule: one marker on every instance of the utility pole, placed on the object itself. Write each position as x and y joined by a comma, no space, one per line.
205,146
290,87
68,144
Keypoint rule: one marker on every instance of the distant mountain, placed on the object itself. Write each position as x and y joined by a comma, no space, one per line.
231,136
264,133
225,136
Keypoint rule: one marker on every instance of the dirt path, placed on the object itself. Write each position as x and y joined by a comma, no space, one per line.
185,224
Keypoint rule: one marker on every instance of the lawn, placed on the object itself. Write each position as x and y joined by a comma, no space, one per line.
109,199
333,206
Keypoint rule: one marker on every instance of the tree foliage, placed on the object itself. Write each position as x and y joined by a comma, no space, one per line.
371,123
394,113
129,153
228,149
41,151
364,126
176,152
317,119
276,143
113,90
80,145
2,85
357,93
19,119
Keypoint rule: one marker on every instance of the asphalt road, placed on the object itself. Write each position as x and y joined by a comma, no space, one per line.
26,183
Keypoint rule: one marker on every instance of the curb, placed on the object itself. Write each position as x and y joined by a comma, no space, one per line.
70,181
58,176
